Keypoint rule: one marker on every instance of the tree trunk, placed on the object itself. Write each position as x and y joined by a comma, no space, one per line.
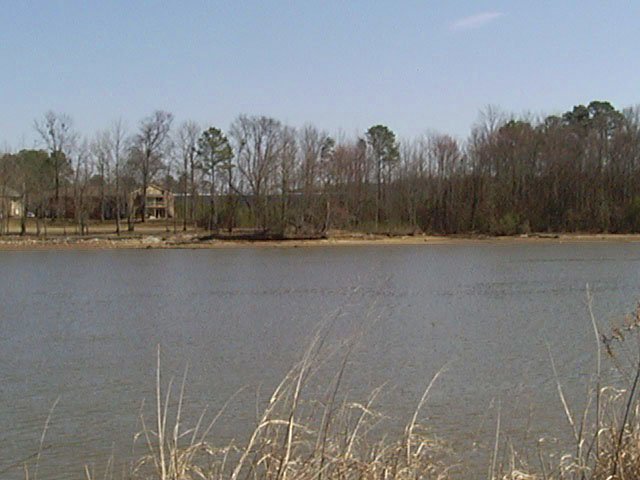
23,219
378,190
145,185
184,195
213,221
117,201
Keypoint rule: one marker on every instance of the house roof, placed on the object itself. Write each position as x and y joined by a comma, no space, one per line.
154,189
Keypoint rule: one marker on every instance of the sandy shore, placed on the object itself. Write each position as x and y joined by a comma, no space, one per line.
193,242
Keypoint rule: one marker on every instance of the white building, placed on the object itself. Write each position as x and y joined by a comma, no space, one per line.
10,203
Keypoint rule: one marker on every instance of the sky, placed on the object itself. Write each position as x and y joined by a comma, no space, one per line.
343,66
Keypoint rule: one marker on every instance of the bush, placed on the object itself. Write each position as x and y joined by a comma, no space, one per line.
507,225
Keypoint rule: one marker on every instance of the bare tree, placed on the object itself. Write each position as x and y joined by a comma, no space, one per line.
574,171
286,171
101,152
56,131
445,157
171,164
150,148
6,170
84,168
187,144
118,144
315,149
258,144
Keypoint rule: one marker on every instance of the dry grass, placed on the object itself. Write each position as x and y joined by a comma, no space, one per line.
325,438
306,432
296,437
607,430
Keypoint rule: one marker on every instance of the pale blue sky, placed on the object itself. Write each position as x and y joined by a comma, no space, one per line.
342,65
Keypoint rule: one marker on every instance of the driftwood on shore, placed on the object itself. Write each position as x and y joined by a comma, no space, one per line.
260,237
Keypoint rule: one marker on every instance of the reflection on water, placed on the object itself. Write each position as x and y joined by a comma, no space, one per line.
84,326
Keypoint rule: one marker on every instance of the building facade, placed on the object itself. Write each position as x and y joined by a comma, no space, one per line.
11,204
158,202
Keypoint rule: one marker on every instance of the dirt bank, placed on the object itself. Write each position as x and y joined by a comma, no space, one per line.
342,239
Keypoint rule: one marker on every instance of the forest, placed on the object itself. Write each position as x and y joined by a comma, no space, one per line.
574,172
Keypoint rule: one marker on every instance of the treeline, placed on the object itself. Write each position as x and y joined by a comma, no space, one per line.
579,171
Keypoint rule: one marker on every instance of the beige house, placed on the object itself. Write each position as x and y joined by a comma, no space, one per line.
159,202
11,204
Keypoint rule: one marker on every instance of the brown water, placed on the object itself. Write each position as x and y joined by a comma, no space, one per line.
84,326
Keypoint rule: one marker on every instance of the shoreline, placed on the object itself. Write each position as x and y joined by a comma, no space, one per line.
178,241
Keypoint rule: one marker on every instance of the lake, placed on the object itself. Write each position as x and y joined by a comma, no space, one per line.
84,326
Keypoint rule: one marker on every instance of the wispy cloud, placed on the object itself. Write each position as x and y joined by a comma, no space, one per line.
475,21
